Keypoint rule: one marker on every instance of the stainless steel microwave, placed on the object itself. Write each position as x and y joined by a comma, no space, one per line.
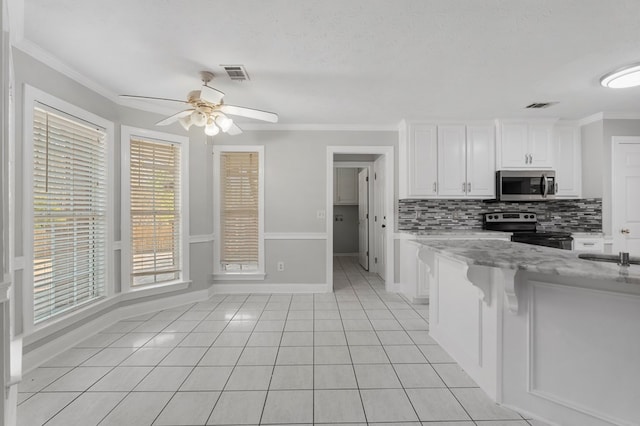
525,185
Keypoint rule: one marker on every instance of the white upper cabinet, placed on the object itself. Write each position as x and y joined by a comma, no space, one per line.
481,161
345,185
447,161
418,161
568,161
452,161
523,145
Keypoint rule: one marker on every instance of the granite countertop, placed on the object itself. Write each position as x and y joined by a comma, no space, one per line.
456,233
531,258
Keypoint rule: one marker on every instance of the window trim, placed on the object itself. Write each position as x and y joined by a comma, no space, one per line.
218,273
33,97
126,133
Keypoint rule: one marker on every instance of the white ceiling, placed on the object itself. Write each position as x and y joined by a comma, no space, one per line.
354,62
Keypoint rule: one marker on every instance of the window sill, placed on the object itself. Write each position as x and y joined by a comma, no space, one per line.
239,276
152,290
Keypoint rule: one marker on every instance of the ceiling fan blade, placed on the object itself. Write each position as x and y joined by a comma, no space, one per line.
175,117
152,98
234,130
257,114
211,95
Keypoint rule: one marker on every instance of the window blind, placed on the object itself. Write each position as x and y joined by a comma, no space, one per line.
155,211
239,210
69,213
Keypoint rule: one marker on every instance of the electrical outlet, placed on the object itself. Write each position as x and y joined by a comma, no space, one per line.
321,214
280,266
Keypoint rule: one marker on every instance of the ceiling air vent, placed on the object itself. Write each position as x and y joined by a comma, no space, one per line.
538,105
236,72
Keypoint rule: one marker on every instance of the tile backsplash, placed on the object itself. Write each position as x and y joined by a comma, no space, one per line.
581,215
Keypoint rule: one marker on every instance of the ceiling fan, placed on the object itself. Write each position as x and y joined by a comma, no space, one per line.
207,109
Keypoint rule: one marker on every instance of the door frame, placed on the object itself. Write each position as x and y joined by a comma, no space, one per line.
617,141
387,153
359,165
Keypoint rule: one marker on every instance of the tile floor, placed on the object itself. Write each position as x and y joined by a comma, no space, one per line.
359,356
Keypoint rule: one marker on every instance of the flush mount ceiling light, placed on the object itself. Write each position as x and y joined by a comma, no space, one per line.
628,76
207,109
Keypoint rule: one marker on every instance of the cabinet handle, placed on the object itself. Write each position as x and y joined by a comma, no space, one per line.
526,159
530,158
435,186
588,244
468,186
556,187
464,187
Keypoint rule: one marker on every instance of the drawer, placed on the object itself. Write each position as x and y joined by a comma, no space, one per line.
595,245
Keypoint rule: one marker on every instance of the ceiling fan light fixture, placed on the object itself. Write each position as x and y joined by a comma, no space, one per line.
198,118
211,129
224,122
628,76
186,122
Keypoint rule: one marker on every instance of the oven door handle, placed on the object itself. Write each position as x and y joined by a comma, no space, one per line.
545,186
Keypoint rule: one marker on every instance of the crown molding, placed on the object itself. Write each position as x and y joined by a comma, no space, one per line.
321,127
42,55
609,115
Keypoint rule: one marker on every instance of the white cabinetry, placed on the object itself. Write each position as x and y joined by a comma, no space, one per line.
588,244
345,185
568,161
466,165
418,161
449,160
523,145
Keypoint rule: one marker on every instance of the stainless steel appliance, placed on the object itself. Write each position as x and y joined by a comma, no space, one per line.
529,185
523,226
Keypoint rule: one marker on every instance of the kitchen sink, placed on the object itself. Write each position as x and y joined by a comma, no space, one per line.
613,258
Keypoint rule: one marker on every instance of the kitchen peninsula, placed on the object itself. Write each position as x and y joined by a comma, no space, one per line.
540,330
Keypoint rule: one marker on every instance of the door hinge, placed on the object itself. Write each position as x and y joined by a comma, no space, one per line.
367,178
367,254
367,215
375,260
375,176
375,218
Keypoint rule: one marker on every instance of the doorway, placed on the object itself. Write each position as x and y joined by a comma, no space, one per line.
625,203
353,200
380,202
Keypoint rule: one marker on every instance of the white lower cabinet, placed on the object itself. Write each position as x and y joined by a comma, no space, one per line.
588,244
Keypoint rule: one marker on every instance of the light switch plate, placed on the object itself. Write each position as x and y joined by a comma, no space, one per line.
321,214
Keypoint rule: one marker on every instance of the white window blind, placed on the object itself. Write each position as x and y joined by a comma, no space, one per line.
69,213
155,211
239,182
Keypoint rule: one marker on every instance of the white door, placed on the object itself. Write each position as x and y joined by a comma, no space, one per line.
625,200
363,218
380,221
423,161
513,145
481,161
452,163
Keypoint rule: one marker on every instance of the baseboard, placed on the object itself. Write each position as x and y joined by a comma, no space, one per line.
50,350
263,288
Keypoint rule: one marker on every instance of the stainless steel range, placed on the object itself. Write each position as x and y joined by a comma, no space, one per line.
523,226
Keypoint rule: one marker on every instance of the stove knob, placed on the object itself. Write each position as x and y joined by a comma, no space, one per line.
526,216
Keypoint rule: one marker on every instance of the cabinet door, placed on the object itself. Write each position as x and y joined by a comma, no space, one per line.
346,185
541,154
481,166
568,162
452,178
513,145
422,161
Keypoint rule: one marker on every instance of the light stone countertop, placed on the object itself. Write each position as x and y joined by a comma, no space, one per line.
455,233
531,258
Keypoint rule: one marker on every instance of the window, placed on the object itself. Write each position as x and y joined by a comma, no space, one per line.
155,219
69,193
239,200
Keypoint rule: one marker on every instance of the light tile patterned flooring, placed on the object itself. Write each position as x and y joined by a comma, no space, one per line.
359,356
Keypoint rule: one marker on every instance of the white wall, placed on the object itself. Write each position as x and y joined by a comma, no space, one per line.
295,189
592,166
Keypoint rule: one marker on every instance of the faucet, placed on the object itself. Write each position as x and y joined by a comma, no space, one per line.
623,258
